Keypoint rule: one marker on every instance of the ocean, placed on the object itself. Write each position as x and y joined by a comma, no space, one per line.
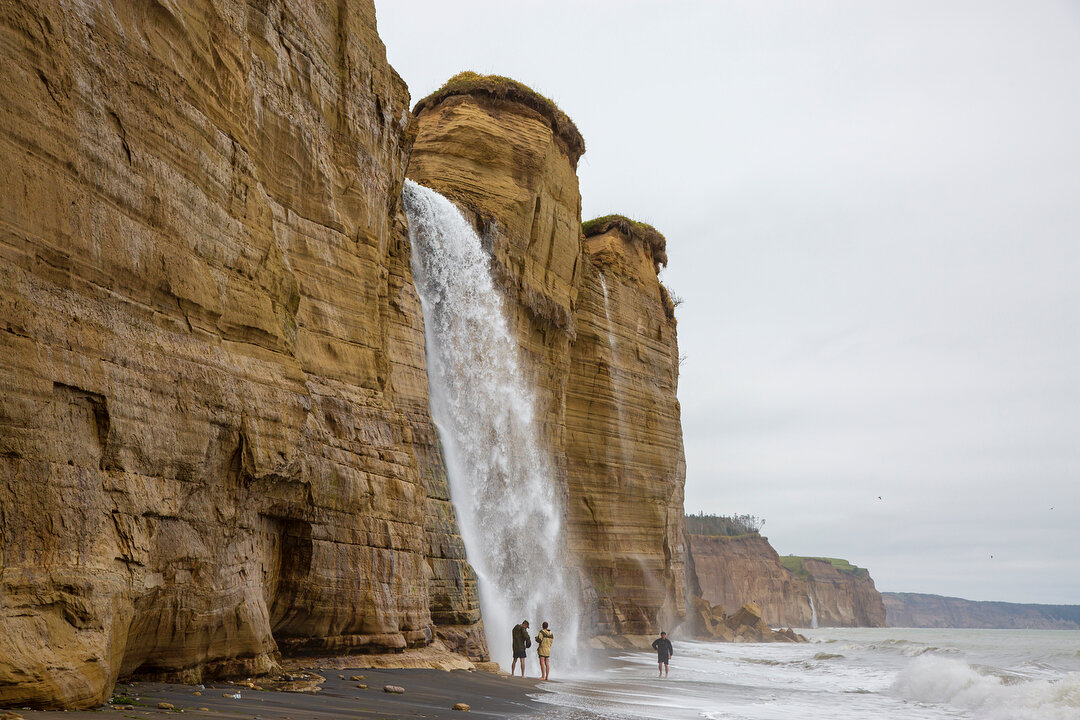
841,674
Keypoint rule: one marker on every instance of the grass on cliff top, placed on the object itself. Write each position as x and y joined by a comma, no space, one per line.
795,565
646,234
654,242
510,90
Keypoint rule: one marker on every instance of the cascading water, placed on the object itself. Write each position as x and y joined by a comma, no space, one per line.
813,613
501,481
616,382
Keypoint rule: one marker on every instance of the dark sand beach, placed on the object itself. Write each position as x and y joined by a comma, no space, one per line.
428,694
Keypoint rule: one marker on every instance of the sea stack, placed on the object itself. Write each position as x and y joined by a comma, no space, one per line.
625,449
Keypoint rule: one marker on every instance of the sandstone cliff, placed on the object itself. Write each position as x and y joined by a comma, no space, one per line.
731,571
921,610
215,435
508,156
626,467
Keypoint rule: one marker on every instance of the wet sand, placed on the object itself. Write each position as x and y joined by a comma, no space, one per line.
428,694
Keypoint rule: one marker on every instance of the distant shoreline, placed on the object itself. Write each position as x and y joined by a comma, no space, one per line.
922,610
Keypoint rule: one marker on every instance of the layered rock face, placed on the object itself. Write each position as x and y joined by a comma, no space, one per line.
843,598
732,571
503,161
626,467
509,159
215,434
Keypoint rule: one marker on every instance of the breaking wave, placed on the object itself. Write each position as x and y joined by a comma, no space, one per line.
932,679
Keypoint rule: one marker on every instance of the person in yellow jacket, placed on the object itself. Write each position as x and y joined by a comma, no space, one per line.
543,640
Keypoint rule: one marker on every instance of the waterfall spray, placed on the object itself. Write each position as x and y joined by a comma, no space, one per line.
616,379
813,613
501,481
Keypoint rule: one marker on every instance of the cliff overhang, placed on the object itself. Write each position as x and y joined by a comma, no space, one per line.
651,238
508,90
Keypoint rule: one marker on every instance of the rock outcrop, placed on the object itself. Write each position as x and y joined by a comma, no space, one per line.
508,157
705,622
214,434
935,611
731,571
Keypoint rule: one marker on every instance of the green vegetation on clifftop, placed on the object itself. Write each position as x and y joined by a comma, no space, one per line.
644,233
796,565
509,90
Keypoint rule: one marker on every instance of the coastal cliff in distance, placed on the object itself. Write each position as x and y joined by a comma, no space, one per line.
216,443
733,570
605,373
919,610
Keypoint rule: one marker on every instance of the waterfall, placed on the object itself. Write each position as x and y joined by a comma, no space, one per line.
501,481
813,612
616,379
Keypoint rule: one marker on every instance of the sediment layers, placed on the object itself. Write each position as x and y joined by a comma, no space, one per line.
626,467
508,157
732,571
215,440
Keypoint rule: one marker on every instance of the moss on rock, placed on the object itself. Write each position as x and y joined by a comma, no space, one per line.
797,566
644,233
509,90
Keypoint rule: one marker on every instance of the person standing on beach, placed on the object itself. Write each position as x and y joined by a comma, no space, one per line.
664,651
543,640
520,637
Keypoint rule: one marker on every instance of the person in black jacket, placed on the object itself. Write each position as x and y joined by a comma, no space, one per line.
521,640
664,651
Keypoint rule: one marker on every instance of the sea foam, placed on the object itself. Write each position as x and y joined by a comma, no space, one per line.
947,681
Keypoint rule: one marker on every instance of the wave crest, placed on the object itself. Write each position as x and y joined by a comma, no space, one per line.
939,680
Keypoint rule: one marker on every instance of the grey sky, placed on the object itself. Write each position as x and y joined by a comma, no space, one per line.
873,215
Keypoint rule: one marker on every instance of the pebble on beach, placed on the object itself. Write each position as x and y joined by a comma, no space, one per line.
461,706
362,686
165,706
395,689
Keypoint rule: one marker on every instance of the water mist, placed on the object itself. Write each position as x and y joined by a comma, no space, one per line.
501,480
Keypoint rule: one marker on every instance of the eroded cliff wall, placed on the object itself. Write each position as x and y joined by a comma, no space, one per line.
214,432
509,157
626,467
502,161
844,596
732,571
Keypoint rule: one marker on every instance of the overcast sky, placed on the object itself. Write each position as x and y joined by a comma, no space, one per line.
873,217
